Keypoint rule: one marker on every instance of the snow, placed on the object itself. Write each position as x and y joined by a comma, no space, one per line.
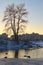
11,45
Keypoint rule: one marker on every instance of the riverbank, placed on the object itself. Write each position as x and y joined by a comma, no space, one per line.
21,61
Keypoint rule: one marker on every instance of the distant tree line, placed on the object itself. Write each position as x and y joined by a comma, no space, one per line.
33,36
29,37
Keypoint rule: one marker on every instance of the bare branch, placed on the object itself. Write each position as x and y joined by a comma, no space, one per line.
15,16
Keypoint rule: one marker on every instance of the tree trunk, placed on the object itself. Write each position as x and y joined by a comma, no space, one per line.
17,42
16,53
16,39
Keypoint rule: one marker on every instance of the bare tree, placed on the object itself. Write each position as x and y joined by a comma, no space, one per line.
15,17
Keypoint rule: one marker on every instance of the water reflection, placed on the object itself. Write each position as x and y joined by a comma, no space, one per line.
33,53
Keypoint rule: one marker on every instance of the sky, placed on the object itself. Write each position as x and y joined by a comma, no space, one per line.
35,14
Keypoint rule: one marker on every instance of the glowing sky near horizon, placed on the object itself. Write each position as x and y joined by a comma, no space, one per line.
35,16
